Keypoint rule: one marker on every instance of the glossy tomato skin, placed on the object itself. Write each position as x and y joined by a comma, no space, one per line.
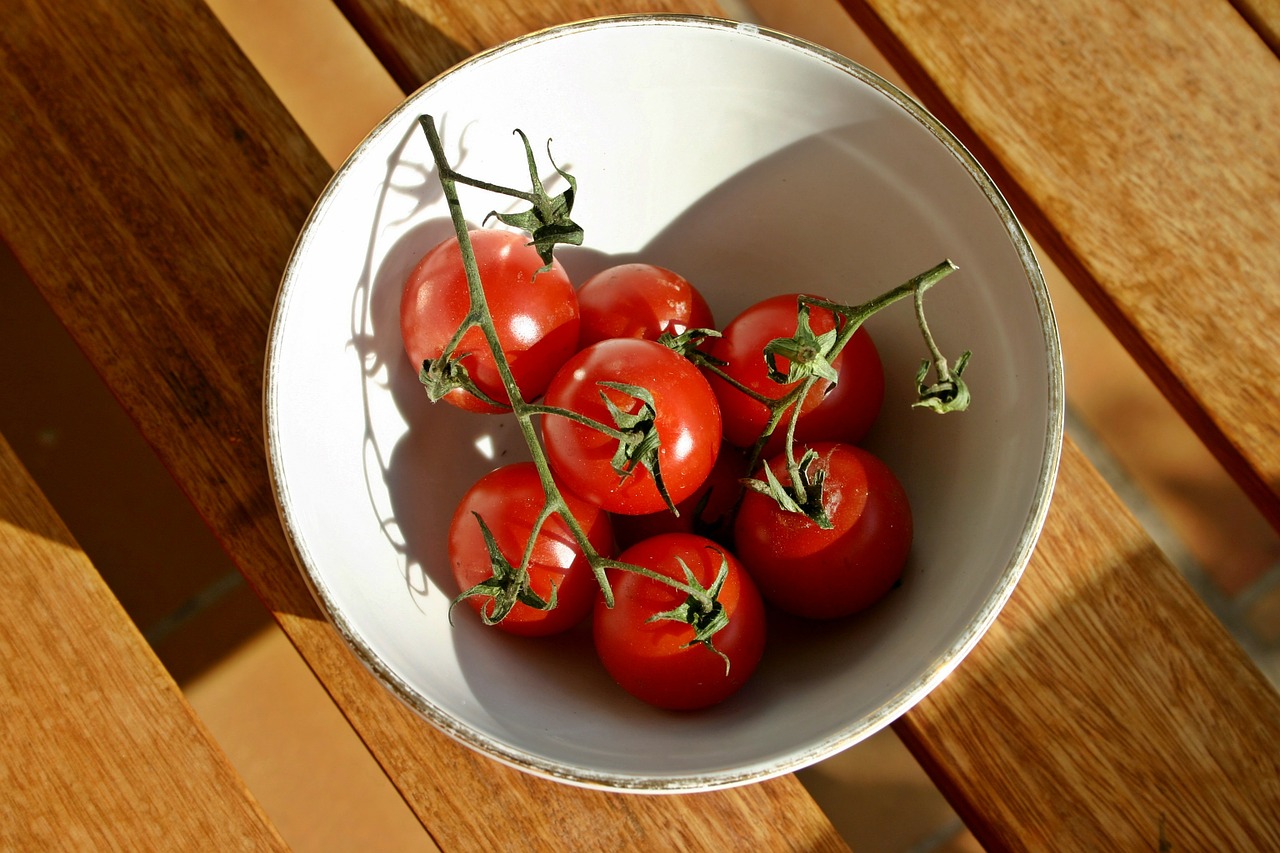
639,301
844,412
825,574
650,660
537,321
510,499
688,423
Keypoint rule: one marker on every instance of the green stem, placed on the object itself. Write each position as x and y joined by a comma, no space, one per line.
793,467
852,316
524,412
479,315
699,595
460,178
468,323
940,365
613,432
762,399
856,315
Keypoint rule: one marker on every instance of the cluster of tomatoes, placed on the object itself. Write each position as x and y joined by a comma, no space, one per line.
647,426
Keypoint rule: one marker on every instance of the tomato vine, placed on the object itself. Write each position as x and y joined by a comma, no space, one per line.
809,359
549,224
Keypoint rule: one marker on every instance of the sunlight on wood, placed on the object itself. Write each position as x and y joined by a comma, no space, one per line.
321,70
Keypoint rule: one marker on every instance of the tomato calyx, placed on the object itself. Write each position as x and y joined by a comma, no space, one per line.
638,440
687,342
804,495
506,587
807,353
547,220
949,393
441,376
701,609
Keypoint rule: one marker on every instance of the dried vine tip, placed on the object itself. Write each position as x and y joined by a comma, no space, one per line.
946,395
442,375
948,392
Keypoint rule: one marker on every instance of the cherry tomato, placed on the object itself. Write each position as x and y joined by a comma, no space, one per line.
660,661
823,574
536,320
684,414
703,512
639,301
844,411
509,499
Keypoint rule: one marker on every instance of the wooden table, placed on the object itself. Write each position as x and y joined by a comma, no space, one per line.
152,185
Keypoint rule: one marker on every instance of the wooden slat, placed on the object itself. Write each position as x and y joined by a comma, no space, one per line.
417,39
1139,148
191,379
1127,702
152,187
1263,16
98,748
1106,709
1191,702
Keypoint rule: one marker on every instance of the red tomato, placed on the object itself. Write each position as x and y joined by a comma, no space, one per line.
660,661
537,320
700,513
639,301
684,414
823,574
841,412
509,499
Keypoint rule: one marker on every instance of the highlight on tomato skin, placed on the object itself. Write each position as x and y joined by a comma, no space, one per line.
825,574
639,300
537,320
658,661
629,427
509,499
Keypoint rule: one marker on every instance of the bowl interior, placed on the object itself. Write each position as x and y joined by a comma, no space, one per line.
753,164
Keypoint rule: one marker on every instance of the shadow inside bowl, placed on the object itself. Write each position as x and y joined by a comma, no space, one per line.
746,191
834,683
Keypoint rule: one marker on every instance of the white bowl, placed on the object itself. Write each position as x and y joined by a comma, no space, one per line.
752,163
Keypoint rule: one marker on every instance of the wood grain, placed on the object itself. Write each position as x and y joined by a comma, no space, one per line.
100,750
417,39
1106,709
152,188
1158,689
1139,149
1263,16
